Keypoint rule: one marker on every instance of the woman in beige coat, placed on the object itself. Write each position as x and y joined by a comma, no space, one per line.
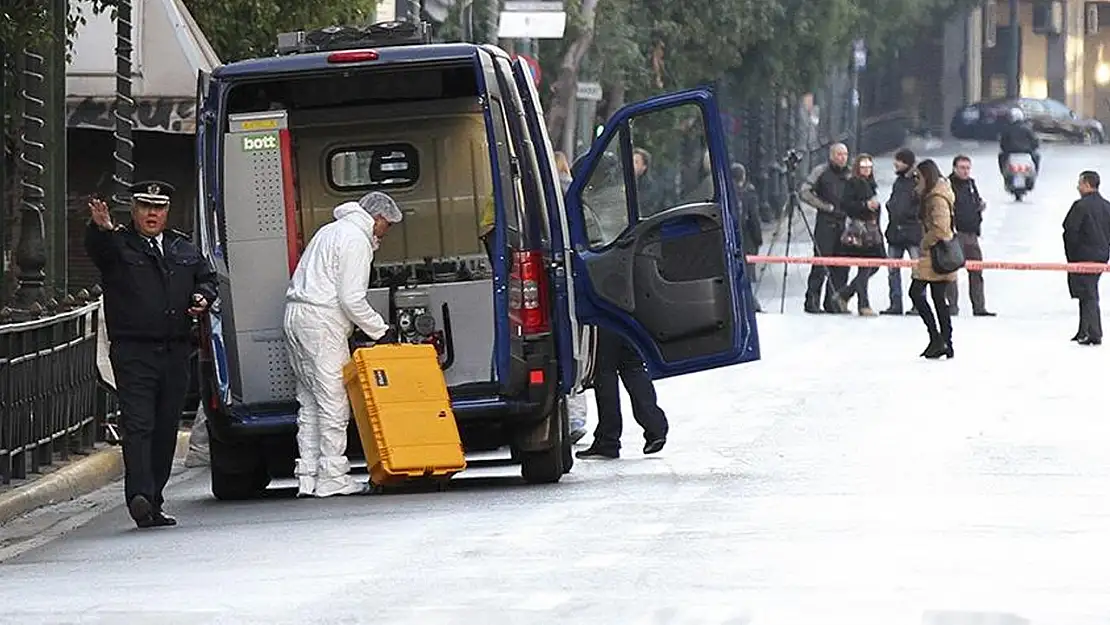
937,201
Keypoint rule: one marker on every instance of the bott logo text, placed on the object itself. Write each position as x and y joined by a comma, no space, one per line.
260,142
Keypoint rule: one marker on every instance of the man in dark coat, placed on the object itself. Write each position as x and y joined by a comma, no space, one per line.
751,227
903,230
822,191
1087,240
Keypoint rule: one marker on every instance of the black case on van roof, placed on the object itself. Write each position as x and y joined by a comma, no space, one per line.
332,38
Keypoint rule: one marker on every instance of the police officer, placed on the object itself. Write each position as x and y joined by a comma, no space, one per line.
155,284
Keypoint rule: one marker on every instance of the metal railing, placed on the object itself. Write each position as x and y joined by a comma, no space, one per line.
52,404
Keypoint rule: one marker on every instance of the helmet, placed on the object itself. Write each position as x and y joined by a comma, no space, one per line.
1016,115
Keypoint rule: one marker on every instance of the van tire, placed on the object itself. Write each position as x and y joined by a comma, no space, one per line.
238,470
549,465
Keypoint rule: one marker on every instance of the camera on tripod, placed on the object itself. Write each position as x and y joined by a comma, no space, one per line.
792,159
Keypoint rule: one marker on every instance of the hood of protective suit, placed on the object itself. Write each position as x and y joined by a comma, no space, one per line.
352,212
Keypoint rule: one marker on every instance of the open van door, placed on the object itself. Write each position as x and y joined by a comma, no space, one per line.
656,249
572,344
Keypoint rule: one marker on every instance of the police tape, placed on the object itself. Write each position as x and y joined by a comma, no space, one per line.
972,265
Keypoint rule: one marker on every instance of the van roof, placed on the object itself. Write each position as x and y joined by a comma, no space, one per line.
314,61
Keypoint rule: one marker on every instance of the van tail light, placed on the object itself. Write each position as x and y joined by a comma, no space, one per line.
528,293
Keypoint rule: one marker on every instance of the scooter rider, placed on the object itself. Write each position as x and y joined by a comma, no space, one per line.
1018,138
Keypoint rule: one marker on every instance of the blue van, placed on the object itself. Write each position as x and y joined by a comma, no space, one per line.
454,132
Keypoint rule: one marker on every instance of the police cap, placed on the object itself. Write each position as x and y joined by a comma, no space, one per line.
154,192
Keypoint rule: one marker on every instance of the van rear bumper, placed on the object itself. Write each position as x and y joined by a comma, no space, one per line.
530,407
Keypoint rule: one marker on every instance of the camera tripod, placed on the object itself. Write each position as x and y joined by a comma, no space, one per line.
793,205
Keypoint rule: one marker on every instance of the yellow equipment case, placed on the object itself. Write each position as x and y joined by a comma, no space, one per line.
399,398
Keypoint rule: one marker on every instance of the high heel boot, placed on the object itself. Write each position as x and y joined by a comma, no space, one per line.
936,347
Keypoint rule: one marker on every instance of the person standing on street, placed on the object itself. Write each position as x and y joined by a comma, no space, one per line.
903,230
862,238
936,218
969,226
156,283
617,359
1087,240
325,302
822,190
751,227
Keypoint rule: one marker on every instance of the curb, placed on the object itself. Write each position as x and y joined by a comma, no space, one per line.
72,481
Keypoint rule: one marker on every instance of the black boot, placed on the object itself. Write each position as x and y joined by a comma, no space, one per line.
936,348
811,306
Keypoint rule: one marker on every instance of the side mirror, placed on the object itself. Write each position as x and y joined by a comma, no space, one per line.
1073,114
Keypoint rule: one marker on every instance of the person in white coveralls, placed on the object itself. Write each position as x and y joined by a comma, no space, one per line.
325,302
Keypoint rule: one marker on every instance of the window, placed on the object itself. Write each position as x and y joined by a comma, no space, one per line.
664,153
391,166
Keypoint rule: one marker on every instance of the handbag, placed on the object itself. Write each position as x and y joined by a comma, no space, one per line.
861,234
947,256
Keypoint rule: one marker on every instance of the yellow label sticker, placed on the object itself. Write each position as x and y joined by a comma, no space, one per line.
260,124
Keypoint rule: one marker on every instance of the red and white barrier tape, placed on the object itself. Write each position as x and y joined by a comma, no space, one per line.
972,265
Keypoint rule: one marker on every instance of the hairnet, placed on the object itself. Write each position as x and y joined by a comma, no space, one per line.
378,203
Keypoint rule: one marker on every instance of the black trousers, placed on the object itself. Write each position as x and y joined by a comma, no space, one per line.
826,242
972,251
616,359
151,382
1090,317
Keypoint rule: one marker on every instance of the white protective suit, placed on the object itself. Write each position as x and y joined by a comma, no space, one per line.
326,299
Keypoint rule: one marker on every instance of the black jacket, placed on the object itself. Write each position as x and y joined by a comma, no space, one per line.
969,205
750,224
904,213
857,191
1018,138
823,189
142,300
1087,230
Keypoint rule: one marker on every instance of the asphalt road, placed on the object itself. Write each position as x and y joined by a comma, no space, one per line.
840,480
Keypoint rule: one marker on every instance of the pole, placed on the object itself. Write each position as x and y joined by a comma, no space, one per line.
1012,77
30,254
57,228
4,195
125,107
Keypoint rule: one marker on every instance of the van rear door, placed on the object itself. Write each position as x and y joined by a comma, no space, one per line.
656,249
573,365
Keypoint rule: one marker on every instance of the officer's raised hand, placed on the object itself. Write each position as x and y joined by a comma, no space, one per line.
100,214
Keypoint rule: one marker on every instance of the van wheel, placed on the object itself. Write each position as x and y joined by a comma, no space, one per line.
549,465
238,470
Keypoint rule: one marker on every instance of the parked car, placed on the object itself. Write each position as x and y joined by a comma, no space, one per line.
1052,119
456,135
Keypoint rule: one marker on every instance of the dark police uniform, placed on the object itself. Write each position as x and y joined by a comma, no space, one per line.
1087,240
149,284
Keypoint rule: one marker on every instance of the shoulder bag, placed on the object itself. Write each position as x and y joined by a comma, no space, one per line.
947,256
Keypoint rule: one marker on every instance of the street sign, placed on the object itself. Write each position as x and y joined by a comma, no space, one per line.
589,91
859,54
533,67
532,20
533,7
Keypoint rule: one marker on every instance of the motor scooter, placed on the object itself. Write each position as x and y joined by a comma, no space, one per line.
1019,174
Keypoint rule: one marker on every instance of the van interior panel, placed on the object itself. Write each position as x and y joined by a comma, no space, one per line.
256,228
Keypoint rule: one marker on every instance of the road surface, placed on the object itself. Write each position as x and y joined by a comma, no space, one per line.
842,480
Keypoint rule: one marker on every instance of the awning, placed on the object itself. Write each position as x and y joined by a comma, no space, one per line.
167,114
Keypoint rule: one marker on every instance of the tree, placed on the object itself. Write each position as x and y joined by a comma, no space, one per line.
244,29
